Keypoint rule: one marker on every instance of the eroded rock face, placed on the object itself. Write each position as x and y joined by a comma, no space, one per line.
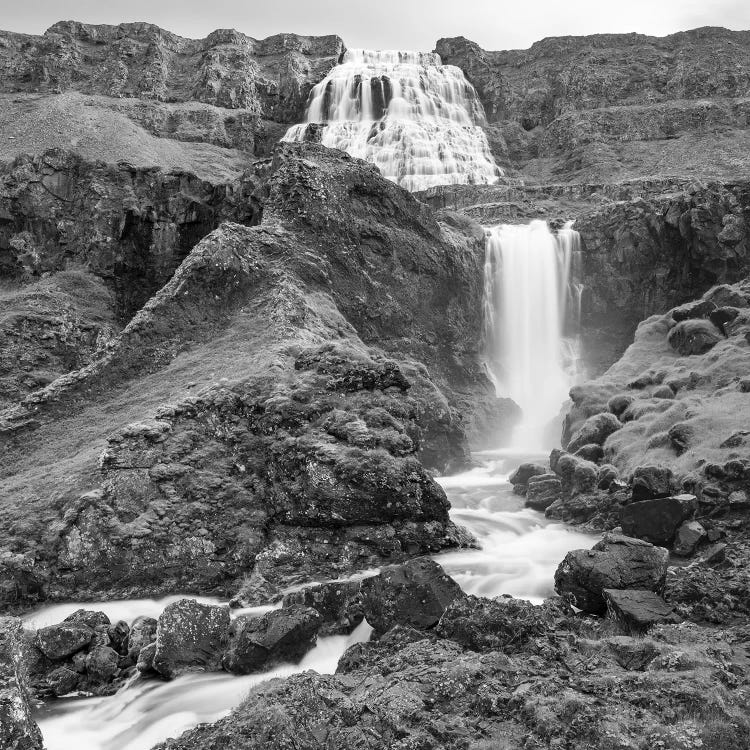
414,594
616,562
190,636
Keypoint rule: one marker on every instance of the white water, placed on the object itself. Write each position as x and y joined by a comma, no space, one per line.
416,119
527,303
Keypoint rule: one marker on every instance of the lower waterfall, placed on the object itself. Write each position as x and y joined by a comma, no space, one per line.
531,311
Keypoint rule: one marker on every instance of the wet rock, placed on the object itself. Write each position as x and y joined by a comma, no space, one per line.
190,636
525,471
283,635
88,617
101,664
637,610
62,681
657,520
595,430
339,605
592,452
18,731
577,474
119,636
145,663
691,310
694,337
63,640
689,536
414,594
142,632
542,491
615,562
652,481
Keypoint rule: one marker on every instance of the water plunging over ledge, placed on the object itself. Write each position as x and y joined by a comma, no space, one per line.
416,119
531,320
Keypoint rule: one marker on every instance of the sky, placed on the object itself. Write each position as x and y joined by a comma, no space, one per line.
390,24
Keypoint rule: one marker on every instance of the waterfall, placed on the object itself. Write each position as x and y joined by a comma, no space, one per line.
416,119
531,316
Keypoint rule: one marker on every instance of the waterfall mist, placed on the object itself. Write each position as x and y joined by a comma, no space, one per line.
416,119
531,314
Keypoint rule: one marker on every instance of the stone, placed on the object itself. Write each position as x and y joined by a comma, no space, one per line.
689,536
652,481
617,404
637,610
542,491
190,636
699,309
119,634
591,452
680,436
632,653
60,641
663,391
691,337
338,603
577,474
101,664
145,663
62,681
142,632
594,430
525,471
722,316
88,617
616,561
657,520
414,594
282,635
18,730
607,475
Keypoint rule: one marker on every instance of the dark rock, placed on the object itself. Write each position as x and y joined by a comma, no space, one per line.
142,632
119,636
282,635
63,640
694,337
190,636
652,481
721,317
577,474
617,404
339,605
525,471
594,430
145,663
592,452
542,491
637,610
680,436
700,309
18,731
499,624
62,681
88,617
689,536
607,475
657,520
414,594
663,391
615,562
102,664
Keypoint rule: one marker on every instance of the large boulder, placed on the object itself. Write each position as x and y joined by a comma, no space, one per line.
190,636
694,337
657,520
577,474
652,481
142,632
338,603
282,635
542,491
689,535
615,562
525,472
18,731
594,431
415,594
636,610
64,639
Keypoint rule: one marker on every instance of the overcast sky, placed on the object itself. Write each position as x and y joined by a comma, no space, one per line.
390,24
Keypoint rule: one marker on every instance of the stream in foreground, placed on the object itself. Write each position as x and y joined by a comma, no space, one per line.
519,553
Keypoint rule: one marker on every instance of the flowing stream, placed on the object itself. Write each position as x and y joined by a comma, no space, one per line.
419,121
529,300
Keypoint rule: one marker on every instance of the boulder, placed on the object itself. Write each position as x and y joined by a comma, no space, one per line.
525,471
577,474
414,594
18,731
689,536
657,520
652,481
119,634
60,641
142,632
338,603
607,475
282,635
542,491
499,624
190,636
101,664
636,610
595,430
694,337
693,310
591,452
615,562
62,681
88,617
617,404
145,663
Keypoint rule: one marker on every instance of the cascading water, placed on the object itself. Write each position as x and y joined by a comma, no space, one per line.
529,302
416,119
